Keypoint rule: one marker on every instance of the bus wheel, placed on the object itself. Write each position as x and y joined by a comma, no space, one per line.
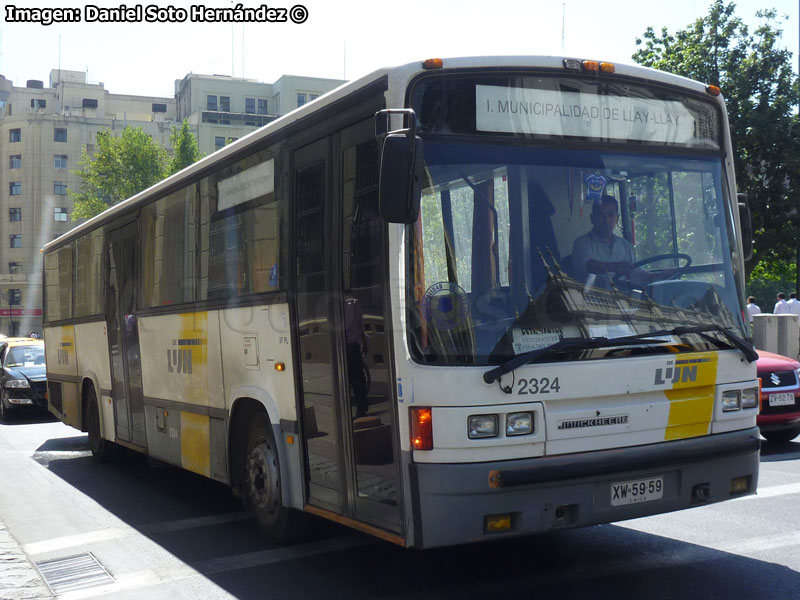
262,488
102,450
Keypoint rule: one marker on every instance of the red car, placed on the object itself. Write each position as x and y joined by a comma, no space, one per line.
779,417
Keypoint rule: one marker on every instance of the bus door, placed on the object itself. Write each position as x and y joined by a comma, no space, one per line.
123,336
346,395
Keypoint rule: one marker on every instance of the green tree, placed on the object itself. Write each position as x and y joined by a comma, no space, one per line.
184,146
760,91
120,167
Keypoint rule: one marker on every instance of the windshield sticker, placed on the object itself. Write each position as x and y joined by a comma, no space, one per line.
446,305
571,114
526,340
611,330
595,184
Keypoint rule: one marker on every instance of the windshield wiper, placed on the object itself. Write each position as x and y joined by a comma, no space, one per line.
735,341
570,344
629,340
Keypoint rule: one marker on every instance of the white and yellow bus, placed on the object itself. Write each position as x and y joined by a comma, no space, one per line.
371,309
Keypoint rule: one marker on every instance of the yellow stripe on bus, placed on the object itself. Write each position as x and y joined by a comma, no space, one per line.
195,450
690,412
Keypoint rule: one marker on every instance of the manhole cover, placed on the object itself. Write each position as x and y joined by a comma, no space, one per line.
73,572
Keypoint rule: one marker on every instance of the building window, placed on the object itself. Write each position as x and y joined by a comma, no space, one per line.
60,188
15,214
15,268
301,99
38,103
15,240
211,102
60,135
60,214
15,161
60,161
219,142
15,135
15,188
90,149
14,297
159,108
262,106
250,105
225,103
313,97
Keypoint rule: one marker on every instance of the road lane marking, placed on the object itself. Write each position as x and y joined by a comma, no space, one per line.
113,533
150,577
774,490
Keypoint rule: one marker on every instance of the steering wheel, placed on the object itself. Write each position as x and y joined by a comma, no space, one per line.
657,258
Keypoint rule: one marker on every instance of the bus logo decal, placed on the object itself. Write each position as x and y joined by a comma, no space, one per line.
179,361
676,374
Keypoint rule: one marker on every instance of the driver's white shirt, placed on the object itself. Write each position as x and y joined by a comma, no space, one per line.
591,246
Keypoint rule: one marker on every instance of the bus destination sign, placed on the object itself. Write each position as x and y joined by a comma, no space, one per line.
570,114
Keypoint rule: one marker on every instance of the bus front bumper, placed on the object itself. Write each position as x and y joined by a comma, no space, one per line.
459,503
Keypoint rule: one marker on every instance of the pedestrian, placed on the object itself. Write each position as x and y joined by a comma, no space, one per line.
781,306
793,304
752,308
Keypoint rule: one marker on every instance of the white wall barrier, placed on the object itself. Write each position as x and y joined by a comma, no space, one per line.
777,333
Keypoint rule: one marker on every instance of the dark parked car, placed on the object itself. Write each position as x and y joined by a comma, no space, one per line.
23,378
779,418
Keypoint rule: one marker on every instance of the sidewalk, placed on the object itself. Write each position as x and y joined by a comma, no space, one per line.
19,579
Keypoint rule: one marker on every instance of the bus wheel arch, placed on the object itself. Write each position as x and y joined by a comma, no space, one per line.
102,449
256,472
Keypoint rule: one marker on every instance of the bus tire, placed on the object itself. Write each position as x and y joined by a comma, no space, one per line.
102,450
262,488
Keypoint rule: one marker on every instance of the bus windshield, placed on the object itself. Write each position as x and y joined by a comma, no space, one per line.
499,258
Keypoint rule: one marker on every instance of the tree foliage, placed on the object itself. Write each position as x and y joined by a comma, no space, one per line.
120,167
184,146
760,90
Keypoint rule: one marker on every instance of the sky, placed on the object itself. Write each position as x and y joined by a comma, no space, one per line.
343,39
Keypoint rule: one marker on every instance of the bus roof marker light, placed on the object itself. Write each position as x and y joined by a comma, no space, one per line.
422,428
713,90
591,65
433,63
607,67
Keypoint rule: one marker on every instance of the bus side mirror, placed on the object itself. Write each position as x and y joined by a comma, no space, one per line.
402,161
747,230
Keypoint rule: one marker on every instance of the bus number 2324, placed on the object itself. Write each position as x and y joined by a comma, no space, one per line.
535,385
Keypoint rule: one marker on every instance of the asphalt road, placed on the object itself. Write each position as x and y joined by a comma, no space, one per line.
159,532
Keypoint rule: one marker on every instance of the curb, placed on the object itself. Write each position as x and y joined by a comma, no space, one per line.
19,579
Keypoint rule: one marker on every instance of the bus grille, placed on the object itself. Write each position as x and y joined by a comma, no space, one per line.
56,401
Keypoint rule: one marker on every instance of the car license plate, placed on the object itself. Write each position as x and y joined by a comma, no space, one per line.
634,492
781,399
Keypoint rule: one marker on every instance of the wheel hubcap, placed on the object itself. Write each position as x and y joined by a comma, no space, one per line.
262,479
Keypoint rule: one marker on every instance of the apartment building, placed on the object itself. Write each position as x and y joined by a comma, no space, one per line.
221,108
45,130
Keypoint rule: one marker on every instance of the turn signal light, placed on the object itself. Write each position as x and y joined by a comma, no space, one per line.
421,429
591,65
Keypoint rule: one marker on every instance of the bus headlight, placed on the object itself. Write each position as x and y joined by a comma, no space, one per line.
731,400
519,423
482,426
750,398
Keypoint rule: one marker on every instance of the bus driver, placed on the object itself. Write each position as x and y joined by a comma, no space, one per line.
600,255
